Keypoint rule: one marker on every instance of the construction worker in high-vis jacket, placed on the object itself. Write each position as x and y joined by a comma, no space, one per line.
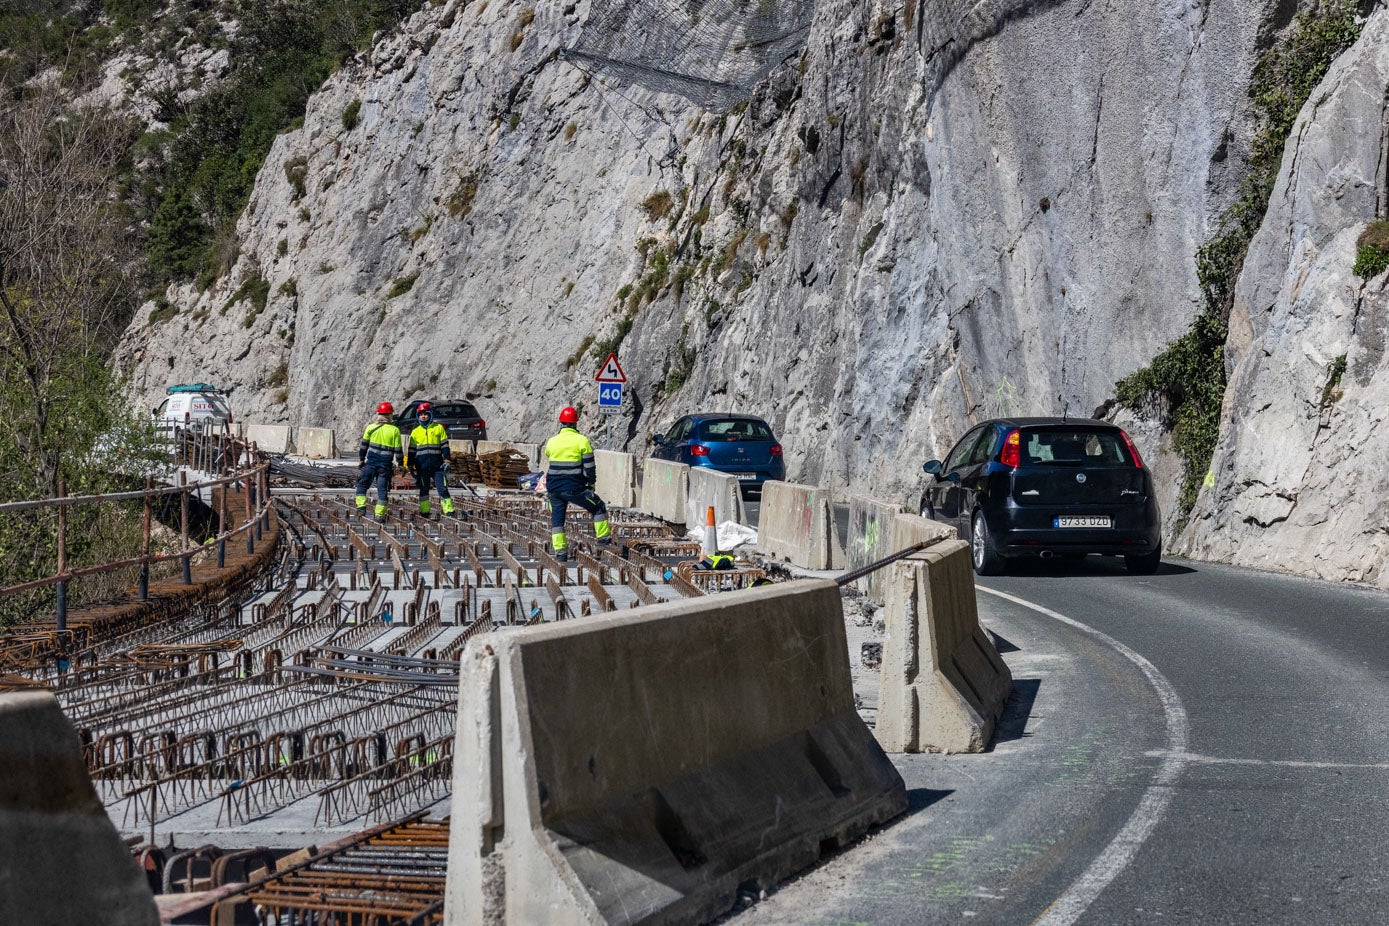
427,457
378,453
570,478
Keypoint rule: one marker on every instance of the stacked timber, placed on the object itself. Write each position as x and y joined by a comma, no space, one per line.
465,466
500,468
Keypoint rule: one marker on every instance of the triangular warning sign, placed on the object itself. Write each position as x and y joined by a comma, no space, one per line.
611,371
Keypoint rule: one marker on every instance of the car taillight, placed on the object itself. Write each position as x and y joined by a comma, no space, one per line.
1133,451
480,425
699,450
776,450
1011,455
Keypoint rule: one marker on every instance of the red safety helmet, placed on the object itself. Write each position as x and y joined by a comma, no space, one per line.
423,407
385,408
568,415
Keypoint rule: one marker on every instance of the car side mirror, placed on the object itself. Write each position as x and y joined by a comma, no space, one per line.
932,467
658,438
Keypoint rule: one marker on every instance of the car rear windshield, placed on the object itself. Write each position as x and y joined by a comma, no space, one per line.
735,429
1074,447
455,411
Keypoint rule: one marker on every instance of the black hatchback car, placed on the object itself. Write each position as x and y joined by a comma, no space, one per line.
1047,487
458,417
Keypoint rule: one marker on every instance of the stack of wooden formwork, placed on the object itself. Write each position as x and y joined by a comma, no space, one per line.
500,468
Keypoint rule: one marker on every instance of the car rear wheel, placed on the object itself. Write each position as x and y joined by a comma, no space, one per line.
1144,565
987,561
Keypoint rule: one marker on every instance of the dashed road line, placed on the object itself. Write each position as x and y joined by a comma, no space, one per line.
1116,856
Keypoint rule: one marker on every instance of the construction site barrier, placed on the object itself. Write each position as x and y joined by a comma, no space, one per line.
878,528
271,438
616,478
665,490
870,538
640,767
797,525
908,529
717,490
64,862
316,443
943,683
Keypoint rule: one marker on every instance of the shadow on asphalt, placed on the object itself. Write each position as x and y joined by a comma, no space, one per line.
1108,566
1013,724
1003,644
918,799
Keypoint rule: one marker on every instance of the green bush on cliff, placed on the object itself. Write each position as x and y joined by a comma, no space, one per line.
1188,378
1372,254
282,52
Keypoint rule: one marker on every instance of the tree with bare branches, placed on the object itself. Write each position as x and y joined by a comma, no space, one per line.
67,288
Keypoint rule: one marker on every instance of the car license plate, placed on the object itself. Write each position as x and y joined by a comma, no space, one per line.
746,475
1084,520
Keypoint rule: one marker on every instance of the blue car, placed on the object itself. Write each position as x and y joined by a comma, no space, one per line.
739,445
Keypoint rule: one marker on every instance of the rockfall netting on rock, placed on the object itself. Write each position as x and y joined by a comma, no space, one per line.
712,52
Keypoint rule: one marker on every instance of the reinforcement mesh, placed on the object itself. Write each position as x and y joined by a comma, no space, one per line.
712,52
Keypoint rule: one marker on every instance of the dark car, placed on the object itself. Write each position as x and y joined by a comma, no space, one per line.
1047,487
739,445
460,418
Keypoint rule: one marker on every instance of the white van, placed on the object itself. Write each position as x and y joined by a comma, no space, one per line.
195,406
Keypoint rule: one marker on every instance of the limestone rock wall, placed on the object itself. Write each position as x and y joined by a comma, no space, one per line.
1299,477
941,211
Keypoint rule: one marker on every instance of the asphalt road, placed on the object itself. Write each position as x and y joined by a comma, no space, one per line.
1207,745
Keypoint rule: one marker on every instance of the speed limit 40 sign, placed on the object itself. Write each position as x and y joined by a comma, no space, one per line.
609,397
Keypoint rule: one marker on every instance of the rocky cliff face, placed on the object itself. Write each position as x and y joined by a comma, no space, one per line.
1299,480
939,211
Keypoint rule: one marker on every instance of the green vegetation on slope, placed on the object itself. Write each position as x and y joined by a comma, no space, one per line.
282,52
1188,377
195,177
1372,250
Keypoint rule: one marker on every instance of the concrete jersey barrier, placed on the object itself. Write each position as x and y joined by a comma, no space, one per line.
614,770
887,536
316,443
271,438
943,683
665,490
871,537
797,525
709,488
616,478
64,861
908,529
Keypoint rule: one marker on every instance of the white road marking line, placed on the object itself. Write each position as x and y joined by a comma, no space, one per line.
1107,866
1197,759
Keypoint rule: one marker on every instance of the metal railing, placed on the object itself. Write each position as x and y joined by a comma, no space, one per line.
237,463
